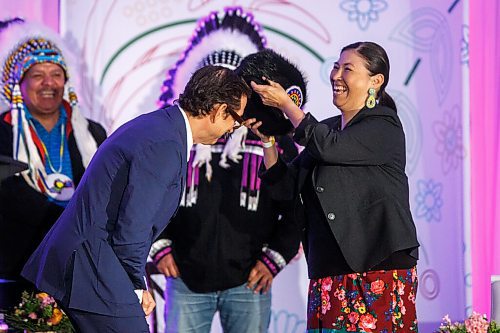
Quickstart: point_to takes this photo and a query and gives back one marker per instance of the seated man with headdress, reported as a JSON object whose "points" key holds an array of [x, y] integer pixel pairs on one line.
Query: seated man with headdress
{"points": [[41, 125], [229, 239]]}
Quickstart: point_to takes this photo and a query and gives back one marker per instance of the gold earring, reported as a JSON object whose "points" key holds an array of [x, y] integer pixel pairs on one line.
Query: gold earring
{"points": [[370, 102]]}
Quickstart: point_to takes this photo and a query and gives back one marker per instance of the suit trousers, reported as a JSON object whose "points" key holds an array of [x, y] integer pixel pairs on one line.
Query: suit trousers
{"points": [[88, 322]]}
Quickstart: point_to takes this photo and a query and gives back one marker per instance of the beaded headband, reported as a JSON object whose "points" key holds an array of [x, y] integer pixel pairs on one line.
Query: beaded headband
{"points": [[23, 57], [21, 47]]}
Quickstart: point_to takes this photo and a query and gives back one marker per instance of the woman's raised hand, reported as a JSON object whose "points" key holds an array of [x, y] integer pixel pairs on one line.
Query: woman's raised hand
{"points": [[272, 94]]}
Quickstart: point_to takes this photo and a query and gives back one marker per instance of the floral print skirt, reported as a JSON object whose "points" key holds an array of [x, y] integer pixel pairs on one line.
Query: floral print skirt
{"points": [[376, 301]]}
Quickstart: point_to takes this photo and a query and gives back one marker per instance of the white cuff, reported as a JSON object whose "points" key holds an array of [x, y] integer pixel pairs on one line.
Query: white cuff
{"points": [[158, 246], [139, 293], [275, 256]]}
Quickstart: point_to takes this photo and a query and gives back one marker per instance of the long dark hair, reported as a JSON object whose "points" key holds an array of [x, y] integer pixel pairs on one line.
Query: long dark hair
{"points": [[377, 62]]}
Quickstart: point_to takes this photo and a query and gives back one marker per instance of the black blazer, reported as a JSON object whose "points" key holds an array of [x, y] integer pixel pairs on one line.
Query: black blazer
{"points": [[25, 214], [359, 180]]}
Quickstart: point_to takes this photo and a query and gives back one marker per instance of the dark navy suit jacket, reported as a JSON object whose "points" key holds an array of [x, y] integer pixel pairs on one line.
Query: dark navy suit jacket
{"points": [[94, 256]]}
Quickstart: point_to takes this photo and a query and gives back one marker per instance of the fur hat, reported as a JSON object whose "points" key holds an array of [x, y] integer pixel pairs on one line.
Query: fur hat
{"points": [[275, 67]]}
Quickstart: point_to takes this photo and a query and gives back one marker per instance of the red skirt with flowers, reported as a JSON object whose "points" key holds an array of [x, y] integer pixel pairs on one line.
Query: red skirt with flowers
{"points": [[376, 301]]}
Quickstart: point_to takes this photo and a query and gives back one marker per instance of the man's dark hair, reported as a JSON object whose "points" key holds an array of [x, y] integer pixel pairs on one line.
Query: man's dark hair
{"points": [[211, 85]]}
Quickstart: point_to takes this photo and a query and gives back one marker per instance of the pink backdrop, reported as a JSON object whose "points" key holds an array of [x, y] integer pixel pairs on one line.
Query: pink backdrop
{"points": [[42, 11], [485, 147]]}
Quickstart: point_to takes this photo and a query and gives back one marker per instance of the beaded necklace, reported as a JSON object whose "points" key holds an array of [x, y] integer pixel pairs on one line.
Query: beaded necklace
{"points": [[45, 150]]}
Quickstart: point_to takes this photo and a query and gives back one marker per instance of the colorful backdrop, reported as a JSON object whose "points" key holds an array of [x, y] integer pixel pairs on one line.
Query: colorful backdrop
{"points": [[126, 47]]}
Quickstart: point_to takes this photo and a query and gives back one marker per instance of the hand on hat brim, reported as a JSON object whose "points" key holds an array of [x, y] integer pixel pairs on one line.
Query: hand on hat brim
{"points": [[266, 106], [254, 126], [272, 94], [248, 122]]}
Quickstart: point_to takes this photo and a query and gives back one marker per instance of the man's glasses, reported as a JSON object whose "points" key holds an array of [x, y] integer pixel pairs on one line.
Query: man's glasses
{"points": [[238, 120]]}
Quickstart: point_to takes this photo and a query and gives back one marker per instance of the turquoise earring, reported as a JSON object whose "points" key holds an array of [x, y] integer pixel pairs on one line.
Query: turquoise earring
{"points": [[370, 102]]}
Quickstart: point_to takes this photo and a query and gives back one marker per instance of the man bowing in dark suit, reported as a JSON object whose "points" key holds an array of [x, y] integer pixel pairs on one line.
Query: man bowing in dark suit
{"points": [[93, 259]]}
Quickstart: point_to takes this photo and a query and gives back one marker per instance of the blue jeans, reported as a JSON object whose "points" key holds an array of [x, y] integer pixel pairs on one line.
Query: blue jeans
{"points": [[240, 310]]}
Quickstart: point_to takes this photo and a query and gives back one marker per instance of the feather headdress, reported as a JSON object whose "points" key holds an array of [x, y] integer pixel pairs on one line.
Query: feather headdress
{"points": [[217, 40], [24, 45], [223, 39]]}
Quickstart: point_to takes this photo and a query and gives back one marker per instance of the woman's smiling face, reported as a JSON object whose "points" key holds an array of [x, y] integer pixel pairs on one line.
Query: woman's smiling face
{"points": [[350, 81]]}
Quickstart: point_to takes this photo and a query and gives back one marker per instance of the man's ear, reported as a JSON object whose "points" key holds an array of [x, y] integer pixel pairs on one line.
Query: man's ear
{"points": [[377, 80], [219, 111]]}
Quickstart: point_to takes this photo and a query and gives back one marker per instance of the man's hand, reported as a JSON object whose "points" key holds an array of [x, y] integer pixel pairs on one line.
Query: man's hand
{"points": [[167, 266], [260, 278], [148, 303], [254, 125]]}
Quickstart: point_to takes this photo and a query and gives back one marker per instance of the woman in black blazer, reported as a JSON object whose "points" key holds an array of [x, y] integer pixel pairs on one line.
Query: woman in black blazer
{"points": [[351, 198]]}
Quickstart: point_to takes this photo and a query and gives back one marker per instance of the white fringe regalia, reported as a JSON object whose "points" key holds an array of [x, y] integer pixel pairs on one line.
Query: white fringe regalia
{"points": [[218, 40]]}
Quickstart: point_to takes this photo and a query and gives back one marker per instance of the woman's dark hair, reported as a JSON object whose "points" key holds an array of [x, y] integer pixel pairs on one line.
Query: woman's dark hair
{"points": [[377, 62], [211, 85]]}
